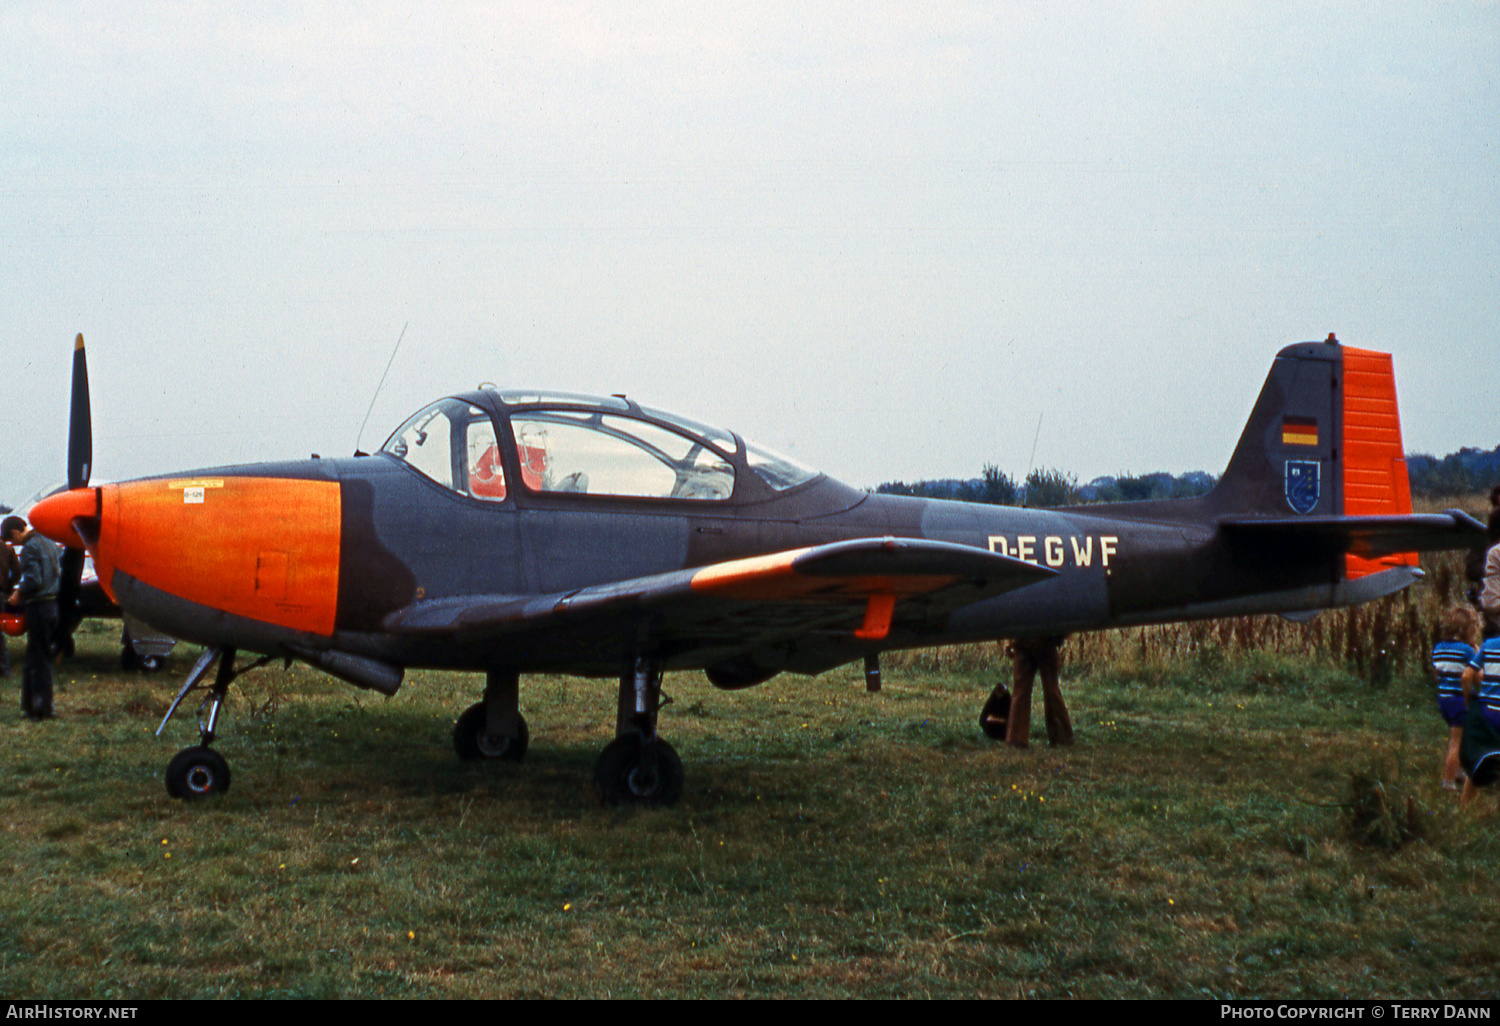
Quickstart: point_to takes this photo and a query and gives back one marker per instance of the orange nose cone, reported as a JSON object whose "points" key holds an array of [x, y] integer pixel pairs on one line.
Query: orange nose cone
{"points": [[53, 516]]}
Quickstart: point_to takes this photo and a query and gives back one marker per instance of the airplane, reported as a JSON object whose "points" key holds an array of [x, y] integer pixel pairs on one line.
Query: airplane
{"points": [[510, 532]]}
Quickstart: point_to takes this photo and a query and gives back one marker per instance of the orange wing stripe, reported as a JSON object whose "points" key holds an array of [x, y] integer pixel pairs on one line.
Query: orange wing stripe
{"points": [[773, 578], [726, 578]]}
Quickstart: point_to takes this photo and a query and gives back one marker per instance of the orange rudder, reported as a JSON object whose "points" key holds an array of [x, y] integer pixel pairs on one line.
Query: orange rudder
{"points": [[1374, 463]]}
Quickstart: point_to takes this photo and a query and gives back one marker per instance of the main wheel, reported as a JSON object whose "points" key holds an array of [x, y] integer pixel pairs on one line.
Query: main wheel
{"points": [[631, 772], [995, 714], [152, 663], [473, 744], [197, 773]]}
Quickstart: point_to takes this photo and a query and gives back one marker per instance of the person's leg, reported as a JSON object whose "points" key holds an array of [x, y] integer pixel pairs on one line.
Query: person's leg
{"points": [[36, 656], [1018, 726], [1059, 724], [41, 629], [1451, 769]]}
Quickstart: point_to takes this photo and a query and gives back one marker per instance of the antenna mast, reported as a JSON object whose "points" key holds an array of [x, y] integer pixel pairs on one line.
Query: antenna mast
{"points": [[1032, 461], [382, 385]]}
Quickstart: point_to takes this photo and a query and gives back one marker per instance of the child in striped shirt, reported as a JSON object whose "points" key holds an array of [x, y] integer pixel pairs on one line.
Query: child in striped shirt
{"points": [[1454, 653], [1480, 752]]}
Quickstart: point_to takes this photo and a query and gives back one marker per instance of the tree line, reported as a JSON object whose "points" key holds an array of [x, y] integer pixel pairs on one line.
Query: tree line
{"points": [[1049, 486], [1458, 473], [1465, 472]]}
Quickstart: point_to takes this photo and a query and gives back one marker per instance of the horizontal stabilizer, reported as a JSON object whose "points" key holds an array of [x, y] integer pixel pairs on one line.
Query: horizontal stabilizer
{"points": [[1365, 536]]}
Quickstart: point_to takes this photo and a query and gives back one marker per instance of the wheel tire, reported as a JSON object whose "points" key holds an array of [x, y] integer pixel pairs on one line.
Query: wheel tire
{"points": [[152, 663], [622, 779], [197, 773], [473, 745], [995, 714]]}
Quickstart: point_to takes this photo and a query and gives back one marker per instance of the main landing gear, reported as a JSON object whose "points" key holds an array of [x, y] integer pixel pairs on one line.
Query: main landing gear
{"points": [[199, 771], [493, 728], [637, 767]]}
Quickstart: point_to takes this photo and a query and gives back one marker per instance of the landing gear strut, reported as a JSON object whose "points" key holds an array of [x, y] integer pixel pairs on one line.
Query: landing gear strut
{"points": [[493, 728], [199, 771], [637, 767]]}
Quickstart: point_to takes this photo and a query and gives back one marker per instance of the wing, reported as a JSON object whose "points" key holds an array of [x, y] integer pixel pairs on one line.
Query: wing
{"points": [[860, 590], [1368, 536]]}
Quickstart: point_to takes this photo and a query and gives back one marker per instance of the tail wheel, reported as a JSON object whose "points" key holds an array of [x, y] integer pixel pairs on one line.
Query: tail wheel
{"points": [[197, 772], [474, 744], [632, 771]]}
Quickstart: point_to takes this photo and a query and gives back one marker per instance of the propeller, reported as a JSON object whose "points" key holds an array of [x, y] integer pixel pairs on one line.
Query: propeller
{"points": [[80, 461], [80, 426]]}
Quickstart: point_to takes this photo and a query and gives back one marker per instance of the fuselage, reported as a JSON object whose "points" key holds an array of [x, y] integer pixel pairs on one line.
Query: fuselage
{"points": [[494, 495]]}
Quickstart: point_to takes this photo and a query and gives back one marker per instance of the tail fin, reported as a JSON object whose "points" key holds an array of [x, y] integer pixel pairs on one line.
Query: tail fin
{"points": [[1324, 439]]}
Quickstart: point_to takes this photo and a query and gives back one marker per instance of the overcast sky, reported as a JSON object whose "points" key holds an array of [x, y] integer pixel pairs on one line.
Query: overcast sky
{"points": [[884, 238]]}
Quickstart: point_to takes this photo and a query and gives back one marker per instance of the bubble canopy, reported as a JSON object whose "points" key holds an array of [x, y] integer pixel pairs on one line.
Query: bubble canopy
{"points": [[569, 443]]}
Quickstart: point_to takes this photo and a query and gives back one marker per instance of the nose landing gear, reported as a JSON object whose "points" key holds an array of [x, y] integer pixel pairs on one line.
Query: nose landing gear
{"points": [[199, 771]]}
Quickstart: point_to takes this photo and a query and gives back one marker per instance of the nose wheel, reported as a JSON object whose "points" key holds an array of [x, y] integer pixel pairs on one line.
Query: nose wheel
{"points": [[197, 772]]}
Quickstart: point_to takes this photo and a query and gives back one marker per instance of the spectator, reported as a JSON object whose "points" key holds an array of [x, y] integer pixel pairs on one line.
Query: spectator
{"points": [[10, 571], [1033, 655], [1489, 592], [1480, 751], [1451, 656], [41, 574]]}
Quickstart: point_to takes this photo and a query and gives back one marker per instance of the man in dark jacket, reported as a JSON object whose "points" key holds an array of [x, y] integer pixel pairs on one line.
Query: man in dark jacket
{"points": [[10, 576], [41, 575]]}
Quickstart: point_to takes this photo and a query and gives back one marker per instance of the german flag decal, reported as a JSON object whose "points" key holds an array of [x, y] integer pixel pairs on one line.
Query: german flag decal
{"points": [[1299, 431]]}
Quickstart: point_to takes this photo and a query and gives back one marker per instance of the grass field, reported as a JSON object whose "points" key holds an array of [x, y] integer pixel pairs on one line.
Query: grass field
{"points": [[1196, 842]]}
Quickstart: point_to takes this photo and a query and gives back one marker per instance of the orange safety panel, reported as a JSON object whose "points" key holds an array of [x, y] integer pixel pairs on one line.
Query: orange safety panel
{"points": [[1374, 463], [878, 612], [265, 548]]}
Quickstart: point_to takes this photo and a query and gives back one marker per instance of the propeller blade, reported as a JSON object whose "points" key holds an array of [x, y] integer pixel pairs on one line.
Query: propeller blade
{"points": [[80, 425]]}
